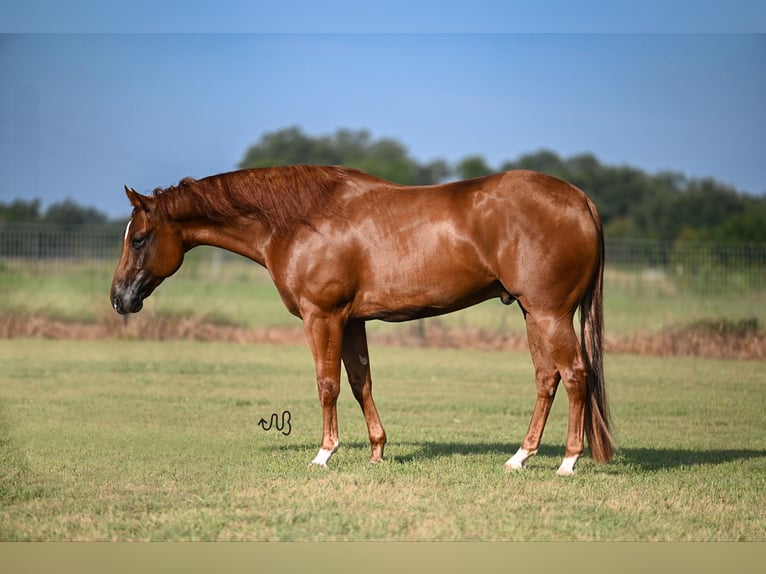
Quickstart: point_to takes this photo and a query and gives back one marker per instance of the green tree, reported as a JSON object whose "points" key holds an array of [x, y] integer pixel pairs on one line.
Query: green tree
{"points": [[544, 161], [747, 227], [69, 213], [20, 211], [435, 171], [472, 166], [385, 157]]}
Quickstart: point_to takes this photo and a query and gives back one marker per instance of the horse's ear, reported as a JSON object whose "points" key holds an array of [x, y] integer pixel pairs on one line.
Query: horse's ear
{"points": [[136, 199]]}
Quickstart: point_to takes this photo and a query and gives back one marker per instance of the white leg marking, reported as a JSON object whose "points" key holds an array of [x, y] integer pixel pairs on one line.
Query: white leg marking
{"points": [[364, 360], [567, 466], [323, 456], [519, 460]]}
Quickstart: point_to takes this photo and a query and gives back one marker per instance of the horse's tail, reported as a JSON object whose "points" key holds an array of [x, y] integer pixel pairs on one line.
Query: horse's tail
{"points": [[597, 419]]}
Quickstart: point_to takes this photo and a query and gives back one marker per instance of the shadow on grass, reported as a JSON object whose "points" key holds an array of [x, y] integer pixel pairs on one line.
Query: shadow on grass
{"points": [[655, 459], [644, 459]]}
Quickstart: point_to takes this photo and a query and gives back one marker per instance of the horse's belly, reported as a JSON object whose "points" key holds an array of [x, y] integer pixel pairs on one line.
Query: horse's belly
{"points": [[396, 305]]}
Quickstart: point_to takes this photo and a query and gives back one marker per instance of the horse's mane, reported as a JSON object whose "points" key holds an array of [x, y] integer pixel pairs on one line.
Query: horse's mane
{"points": [[280, 197]]}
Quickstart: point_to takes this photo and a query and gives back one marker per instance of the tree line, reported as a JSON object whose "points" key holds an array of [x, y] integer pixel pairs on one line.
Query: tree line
{"points": [[632, 203], [63, 214]]}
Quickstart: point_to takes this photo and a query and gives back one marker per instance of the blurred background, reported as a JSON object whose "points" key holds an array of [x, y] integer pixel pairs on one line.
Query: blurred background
{"points": [[664, 131]]}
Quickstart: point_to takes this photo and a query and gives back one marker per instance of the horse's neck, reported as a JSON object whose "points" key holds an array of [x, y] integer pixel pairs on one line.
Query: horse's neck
{"points": [[248, 237]]}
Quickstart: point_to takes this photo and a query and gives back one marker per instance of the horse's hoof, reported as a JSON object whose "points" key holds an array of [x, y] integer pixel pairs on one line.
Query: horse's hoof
{"points": [[323, 456], [519, 460], [567, 466]]}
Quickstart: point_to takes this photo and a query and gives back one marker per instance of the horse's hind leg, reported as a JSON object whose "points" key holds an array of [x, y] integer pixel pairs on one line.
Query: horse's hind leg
{"points": [[560, 341], [356, 359], [547, 380], [568, 357]]}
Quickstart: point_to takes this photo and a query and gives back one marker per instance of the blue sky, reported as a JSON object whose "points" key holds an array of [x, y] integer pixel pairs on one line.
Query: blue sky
{"points": [[81, 114]]}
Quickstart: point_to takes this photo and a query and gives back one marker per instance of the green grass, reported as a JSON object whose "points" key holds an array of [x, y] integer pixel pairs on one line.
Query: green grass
{"points": [[130, 440], [237, 292]]}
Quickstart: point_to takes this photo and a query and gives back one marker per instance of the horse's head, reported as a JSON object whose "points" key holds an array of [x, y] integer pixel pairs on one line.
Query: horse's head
{"points": [[151, 251]]}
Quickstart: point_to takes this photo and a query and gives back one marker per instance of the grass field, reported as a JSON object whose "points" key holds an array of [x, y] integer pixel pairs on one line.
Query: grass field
{"points": [[238, 292], [131, 440]]}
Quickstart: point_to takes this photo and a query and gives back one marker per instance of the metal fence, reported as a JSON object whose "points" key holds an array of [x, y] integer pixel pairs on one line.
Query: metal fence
{"points": [[59, 243], [643, 266], [694, 267]]}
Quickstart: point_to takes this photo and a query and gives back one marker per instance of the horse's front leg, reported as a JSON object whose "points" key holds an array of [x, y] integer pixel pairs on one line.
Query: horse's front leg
{"points": [[325, 337], [356, 358]]}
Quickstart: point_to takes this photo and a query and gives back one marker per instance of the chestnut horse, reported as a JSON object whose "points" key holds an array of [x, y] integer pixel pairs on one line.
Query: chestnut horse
{"points": [[344, 247]]}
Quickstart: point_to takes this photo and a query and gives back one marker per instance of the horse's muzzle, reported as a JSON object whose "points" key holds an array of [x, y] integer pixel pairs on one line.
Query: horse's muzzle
{"points": [[129, 298], [125, 306]]}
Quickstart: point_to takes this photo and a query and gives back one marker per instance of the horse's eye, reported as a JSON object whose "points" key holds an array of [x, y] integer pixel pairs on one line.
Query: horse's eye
{"points": [[138, 241]]}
